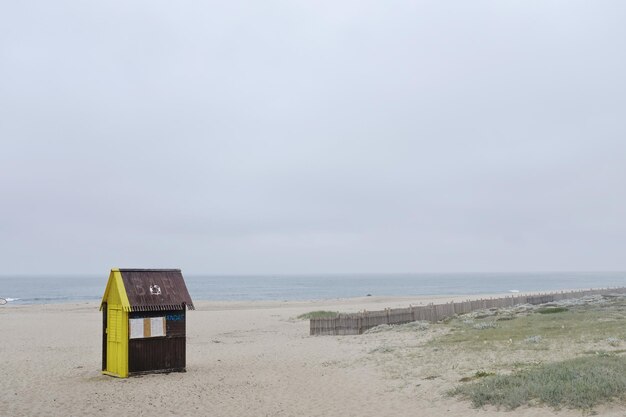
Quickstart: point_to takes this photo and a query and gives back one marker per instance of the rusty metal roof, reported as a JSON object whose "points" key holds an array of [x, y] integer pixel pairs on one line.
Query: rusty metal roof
{"points": [[156, 289]]}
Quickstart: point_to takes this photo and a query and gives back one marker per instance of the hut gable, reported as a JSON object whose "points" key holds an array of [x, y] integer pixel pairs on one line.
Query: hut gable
{"points": [[115, 293], [155, 289]]}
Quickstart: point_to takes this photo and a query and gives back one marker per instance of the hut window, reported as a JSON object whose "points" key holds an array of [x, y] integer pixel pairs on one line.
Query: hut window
{"points": [[147, 327]]}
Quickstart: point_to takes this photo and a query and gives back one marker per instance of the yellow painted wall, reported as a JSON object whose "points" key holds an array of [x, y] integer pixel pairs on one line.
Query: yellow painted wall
{"points": [[117, 326]]}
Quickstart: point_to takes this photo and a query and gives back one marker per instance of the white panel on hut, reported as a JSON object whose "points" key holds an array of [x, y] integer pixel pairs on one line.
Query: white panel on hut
{"points": [[147, 327]]}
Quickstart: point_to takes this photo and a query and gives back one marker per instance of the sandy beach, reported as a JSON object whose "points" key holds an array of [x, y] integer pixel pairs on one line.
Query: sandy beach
{"points": [[243, 359]]}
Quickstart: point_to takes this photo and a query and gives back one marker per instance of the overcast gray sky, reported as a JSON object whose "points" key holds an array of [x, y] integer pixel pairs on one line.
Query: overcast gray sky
{"points": [[308, 137]]}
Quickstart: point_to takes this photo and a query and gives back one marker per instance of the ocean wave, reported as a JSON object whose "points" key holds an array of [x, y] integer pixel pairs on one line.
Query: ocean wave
{"points": [[45, 298], [57, 299]]}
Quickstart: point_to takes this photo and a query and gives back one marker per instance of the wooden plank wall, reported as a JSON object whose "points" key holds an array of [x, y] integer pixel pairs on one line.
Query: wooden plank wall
{"points": [[357, 323]]}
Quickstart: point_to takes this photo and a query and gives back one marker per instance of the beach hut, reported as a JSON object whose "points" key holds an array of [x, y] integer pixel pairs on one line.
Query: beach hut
{"points": [[144, 321]]}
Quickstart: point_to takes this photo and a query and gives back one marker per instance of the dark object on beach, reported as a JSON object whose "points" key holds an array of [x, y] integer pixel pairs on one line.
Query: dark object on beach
{"points": [[551, 310], [368, 295], [144, 322]]}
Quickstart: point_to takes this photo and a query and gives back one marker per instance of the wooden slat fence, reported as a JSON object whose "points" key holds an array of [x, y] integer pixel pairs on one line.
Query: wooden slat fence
{"points": [[357, 323]]}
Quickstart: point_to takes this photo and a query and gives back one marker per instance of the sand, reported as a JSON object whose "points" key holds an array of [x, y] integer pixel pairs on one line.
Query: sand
{"points": [[243, 359]]}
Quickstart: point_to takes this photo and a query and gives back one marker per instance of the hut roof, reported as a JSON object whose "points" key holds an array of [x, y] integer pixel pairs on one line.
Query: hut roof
{"points": [[150, 289]]}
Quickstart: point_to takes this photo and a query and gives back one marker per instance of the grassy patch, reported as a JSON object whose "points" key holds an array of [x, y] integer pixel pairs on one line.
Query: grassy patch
{"points": [[604, 352], [318, 314], [477, 375], [551, 310], [581, 383], [575, 324], [505, 318]]}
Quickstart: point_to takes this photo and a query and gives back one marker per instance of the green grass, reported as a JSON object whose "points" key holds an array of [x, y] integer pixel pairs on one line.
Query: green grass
{"points": [[586, 323], [581, 383], [318, 314], [477, 375]]}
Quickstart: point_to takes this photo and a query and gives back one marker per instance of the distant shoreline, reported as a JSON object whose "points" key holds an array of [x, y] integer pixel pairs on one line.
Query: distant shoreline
{"points": [[54, 289], [399, 301]]}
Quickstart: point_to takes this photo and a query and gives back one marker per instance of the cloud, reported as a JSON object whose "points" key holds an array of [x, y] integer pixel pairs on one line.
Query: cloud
{"points": [[312, 137]]}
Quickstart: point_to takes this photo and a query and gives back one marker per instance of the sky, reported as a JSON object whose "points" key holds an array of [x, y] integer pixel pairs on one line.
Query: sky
{"points": [[281, 137]]}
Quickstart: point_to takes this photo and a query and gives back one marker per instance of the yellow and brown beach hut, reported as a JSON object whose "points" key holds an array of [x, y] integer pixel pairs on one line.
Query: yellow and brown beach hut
{"points": [[144, 322]]}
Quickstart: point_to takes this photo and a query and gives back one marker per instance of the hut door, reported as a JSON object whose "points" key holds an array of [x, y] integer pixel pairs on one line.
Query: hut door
{"points": [[114, 340]]}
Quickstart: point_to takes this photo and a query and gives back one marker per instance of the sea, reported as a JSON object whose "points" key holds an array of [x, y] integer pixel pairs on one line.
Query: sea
{"points": [[22, 289]]}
